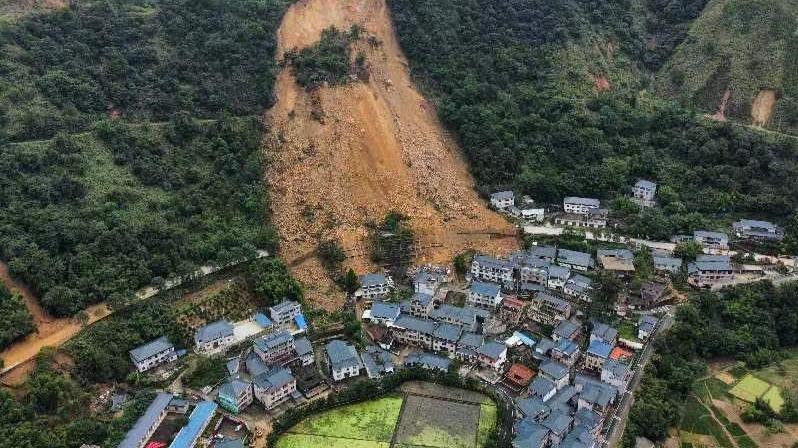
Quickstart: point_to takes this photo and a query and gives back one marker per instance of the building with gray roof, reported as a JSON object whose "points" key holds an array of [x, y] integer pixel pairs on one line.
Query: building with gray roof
{"points": [[304, 351], [275, 347], [343, 359], [603, 332], [559, 423], [146, 425], [532, 407], [530, 434], [153, 354], [377, 362], [485, 295], [273, 387], [464, 317], [579, 261], [384, 312], [374, 286], [757, 230], [566, 329], [543, 388], [556, 372], [492, 354], [214, 337], [427, 361]]}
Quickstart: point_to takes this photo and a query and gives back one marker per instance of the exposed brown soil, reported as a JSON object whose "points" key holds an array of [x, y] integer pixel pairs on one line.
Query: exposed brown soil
{"points": [[720, 115], [756, 432], [763, 106], [15, 9], [602, 83], [380, 148], [51, 331]]}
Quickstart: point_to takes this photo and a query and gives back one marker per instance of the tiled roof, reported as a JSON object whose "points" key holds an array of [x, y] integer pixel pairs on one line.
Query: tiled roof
{"points": [[135, 437], [600, 349], [342, 355], [151, 348], [213, 331], [485, 289]]}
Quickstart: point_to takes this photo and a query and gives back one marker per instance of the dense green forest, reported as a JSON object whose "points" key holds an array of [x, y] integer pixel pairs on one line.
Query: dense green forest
{"points": [[130, 143], [495, 69], [751, 323], [15, 320]]}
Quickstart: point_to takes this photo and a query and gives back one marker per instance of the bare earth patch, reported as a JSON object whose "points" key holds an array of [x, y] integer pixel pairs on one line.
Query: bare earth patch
{"points": [[756, 432], [380, 148], [762, 107]]}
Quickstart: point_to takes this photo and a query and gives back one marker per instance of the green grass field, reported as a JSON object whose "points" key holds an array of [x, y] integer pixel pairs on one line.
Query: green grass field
{"points": [[367, 421], [749, 388], [783, 373], [697, 420], [311, 441], [487, 421], [774, 399]]}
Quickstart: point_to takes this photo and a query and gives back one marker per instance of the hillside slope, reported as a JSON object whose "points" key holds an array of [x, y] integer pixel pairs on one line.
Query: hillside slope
{"points": [[380, 148], [740, 60]]}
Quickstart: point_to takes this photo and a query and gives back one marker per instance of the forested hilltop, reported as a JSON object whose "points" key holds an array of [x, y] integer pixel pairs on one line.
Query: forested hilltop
{"points": [[553, 99], [130, 137]]}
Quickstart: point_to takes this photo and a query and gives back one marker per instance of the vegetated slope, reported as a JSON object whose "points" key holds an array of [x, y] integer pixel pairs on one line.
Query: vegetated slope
{"points": [[488, 65], [379, 148], [97, 198], [748, 48]]}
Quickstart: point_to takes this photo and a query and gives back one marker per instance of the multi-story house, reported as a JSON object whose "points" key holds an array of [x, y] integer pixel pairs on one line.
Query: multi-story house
{"points": [[579, 287], [467, 347], [665, 263], [710, 270], [426, 282], [464, 317], [559, 423], [491, 269], [529, 433], [512, 309], [543, 388], [384, 313], [548, 309], [616, 260], [153, 354], [558, 276], [445, 337], [644, 192], [558, 373], [578, 261], [565, 352], [617, 374], [273, 387], [214, 337], [492, 355], [579, 206], [428, 361], [343, 360], [502, 199], [377, 362], [757, 230], [646, 326], [374, 286], [712, 240], [596, 397], [304, 351], [146, 425], [421, 304], [413, 331], [566, 329], [598, 352], [284, 312], [277, 347], [235, 395], [484, 295]]}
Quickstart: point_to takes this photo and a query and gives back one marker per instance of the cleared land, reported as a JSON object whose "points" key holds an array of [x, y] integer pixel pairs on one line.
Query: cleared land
{"points": [[437, 423], [367, 421], [749, 388], [311, 441]]}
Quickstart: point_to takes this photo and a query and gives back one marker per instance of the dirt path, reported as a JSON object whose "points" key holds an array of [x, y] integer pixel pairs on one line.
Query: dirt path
{"points": [[763, 106], [380, 148], [51, 331]]}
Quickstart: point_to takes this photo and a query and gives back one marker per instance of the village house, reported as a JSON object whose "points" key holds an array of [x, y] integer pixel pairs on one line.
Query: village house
{"points": [[651, 294], [153, 354], [492, 355], [146, 425], [214, 337], [565, 352], [377, 362], [665, 263], [544, 346], [491, 269], [304, 351], [598, 352], [594, 218], [383, 313], [445, 337], [617, 374], [502, 199], [414, 331], [579, 287], [428, 361], [200, 418], [566, 330], [421, 304], [467, 348], [644, 191], [543, 388], [484, 295], [556, 372], [711, 240], [603, 332], [273, 387], [464, 317], [374, 286], [709, 270], [530, 434], [426, 282], [578, 261], [533, 214], [518, 377], [557, 277], [343, 360], [235, 395], [548, 309], [757, 230], [277, 347], [532, 408], [284, 312], [580, 206], [512, 310], [559, 424], [646, 326], [533, 270], [596, 397], [616, 260]]}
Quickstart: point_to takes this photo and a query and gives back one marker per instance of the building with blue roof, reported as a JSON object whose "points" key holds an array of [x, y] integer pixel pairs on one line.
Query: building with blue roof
{"points": [[146, 425], [263, 321], [199, 419], [300, 322], [484, 295], [598, 352], [153, 354], [214, 337]]}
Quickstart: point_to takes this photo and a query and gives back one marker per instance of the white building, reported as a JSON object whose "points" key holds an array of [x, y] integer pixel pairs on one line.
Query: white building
{"points": [[616, 374], [343, 360], [492, 355], [284, 312], [502, 199], [214, 337], [374, 286], [644, 192], [153, 354], [273, 387], [491, 269], [484, 295], [533, 214], [579, 206]]}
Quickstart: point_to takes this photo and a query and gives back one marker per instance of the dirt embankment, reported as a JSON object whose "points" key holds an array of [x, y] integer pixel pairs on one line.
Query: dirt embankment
{"points": [[50, 331], [380, 148], [763, 106]]}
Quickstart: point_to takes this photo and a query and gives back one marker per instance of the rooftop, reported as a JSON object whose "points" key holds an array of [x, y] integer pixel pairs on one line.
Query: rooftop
{"points": [[604, 332], [151, 348], [283, 306], [589, 202], [197, 421], [566, 329], [213, 331], [373, 279], [272, 340], [575, 258], [135, 437], [428, 360], [600, 349], [448, 332], [485, 289], [273, 379], [342, 354], [642, 183], [542, 386], [558, 422], [502, 195], [385, 310], [492, 349], [425, 326], [554, 369]]}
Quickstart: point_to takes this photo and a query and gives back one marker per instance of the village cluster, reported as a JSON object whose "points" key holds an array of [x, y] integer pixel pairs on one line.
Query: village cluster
{"points": [[516, 323]]}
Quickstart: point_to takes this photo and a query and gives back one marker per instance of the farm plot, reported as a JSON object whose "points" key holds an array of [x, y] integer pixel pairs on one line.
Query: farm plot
{"points": [[432, 422], [749, 388]]}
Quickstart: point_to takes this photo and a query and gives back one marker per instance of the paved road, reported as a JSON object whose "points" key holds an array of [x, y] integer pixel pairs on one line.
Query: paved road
{"points": [[622, 412]]}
